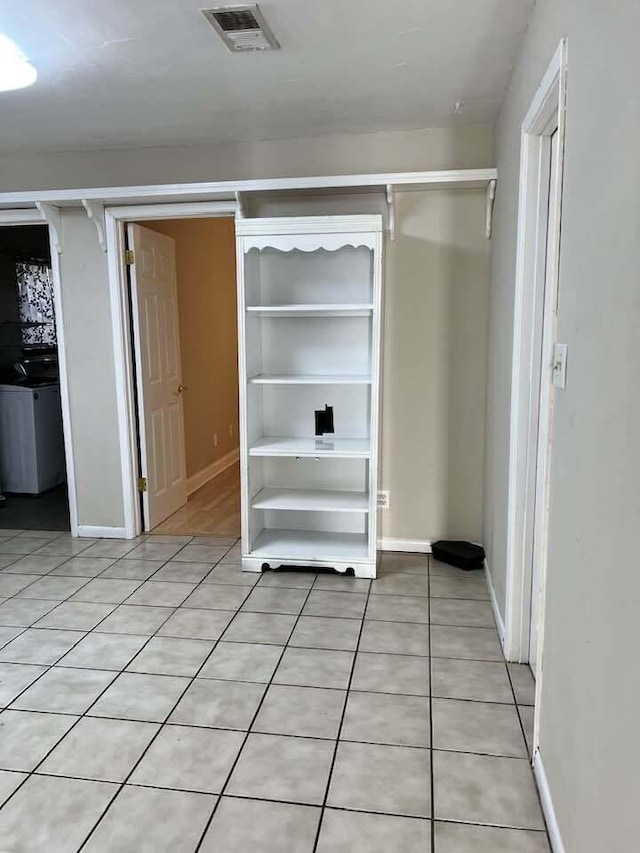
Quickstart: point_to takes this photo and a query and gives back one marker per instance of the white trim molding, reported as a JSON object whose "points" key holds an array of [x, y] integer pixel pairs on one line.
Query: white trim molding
{"points": [[414, 546], [125, 399], [174, 210], [226, 190], [494, 604], [546, 114], [19, 217], [553, 827], [94, 532], [115, 220], [205, 475]]}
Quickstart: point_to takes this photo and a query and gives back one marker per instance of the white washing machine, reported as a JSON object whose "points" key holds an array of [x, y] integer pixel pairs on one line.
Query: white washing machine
{"points": [[31, 439]]}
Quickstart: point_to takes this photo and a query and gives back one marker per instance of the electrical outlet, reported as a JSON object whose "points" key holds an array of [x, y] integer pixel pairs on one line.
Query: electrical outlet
{"points": [[383, 500], [215, 439], [230, 430]]}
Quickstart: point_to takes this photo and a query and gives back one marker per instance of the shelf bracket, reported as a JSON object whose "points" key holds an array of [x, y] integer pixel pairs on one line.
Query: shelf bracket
{"points": [[241, 213], [51, 215], [95, 212], [391, 210], [491, 195]]}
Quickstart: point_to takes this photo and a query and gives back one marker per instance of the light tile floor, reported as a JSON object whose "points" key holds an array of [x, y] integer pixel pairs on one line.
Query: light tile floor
{"points": [[155, 698]]}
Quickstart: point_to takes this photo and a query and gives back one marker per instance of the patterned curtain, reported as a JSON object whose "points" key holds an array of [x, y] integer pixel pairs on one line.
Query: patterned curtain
{"points": [[35, 302]]}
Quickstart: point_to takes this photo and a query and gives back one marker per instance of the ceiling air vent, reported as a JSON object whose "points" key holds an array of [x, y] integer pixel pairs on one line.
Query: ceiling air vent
{"points": [[242, 28]]}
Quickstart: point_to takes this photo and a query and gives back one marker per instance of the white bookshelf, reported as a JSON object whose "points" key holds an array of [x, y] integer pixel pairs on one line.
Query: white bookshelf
{"points": [[354, 310], [311, 500], [301, 447], [309, 315], [310, 379]]}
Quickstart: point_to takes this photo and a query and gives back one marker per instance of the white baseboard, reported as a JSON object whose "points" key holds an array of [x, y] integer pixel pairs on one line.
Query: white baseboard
{"points": [[94, 532], [494, 604], [202, 477], [548, 810], [418, 546]]}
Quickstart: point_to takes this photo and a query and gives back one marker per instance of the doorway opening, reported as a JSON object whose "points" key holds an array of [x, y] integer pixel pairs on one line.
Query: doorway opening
{"points": [[182, 302], [33, 487], [533, 370]]}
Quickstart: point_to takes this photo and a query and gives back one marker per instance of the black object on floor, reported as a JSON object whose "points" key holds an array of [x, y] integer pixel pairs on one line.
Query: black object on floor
{"points": [[462, 555]]}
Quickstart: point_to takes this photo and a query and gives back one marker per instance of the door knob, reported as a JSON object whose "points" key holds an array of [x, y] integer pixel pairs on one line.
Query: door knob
{"points": [[182, 388]]}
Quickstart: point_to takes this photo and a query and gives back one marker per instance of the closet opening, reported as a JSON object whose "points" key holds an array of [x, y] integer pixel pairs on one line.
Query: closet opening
{"points": [[33, 485], [182, 306]]}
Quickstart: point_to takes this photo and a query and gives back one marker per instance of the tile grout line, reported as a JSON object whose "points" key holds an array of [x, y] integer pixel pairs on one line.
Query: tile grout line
{"points": [[82, 631], [80, 717], [250, 589], [517, 707], [254, 717], [529, 758], [84, 714], [342, 716], [243, 680], [162, 723], [431, 744], [293, 803], [265, 734]]}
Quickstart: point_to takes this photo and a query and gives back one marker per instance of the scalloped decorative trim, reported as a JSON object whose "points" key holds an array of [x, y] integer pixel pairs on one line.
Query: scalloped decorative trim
{"points": [[309, 242]]}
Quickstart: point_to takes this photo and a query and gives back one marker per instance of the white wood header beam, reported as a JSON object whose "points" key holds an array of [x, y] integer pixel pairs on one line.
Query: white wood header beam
{"points": [[226, 190], [26, 216]]}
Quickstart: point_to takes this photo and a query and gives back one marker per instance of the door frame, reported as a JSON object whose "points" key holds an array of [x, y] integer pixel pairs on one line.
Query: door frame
{"points": [[546, 114], [15, 218], [116, 219]]}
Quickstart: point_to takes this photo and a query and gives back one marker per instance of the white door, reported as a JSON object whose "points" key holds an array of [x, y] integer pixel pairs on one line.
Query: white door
{"points": [[545, 407], [154, 305]]}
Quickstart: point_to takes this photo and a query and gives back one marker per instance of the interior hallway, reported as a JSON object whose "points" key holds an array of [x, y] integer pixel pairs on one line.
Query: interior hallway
{"points": [[214, 510], [278, 712]]}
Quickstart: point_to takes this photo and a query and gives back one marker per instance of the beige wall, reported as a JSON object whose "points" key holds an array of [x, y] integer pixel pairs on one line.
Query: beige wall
{"points": [[411, 150], [435, 331], [91, 372], [206, 268], [590, 689]]}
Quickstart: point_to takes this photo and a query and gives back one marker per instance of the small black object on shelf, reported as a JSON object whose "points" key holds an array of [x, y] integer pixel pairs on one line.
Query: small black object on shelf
{"points": [[324, 420], [462, 555]]}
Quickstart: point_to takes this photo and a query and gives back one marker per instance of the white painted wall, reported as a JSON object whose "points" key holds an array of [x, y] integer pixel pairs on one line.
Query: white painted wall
{"points": [[591, 692]]}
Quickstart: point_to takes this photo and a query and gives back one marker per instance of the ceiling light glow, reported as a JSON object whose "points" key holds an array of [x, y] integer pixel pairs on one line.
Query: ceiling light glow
{"points": [[16, 72]]}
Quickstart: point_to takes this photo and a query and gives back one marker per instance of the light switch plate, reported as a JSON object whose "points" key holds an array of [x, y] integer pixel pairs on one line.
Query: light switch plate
{"points": [[559, 376]]}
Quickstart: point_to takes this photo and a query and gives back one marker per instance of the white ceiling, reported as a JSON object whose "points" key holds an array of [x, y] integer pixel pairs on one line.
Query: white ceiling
{"points": [[153, 72]]}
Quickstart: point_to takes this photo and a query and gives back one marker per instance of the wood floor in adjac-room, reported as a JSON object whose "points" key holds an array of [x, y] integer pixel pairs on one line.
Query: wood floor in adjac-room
{"points": [[214, 510]]}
